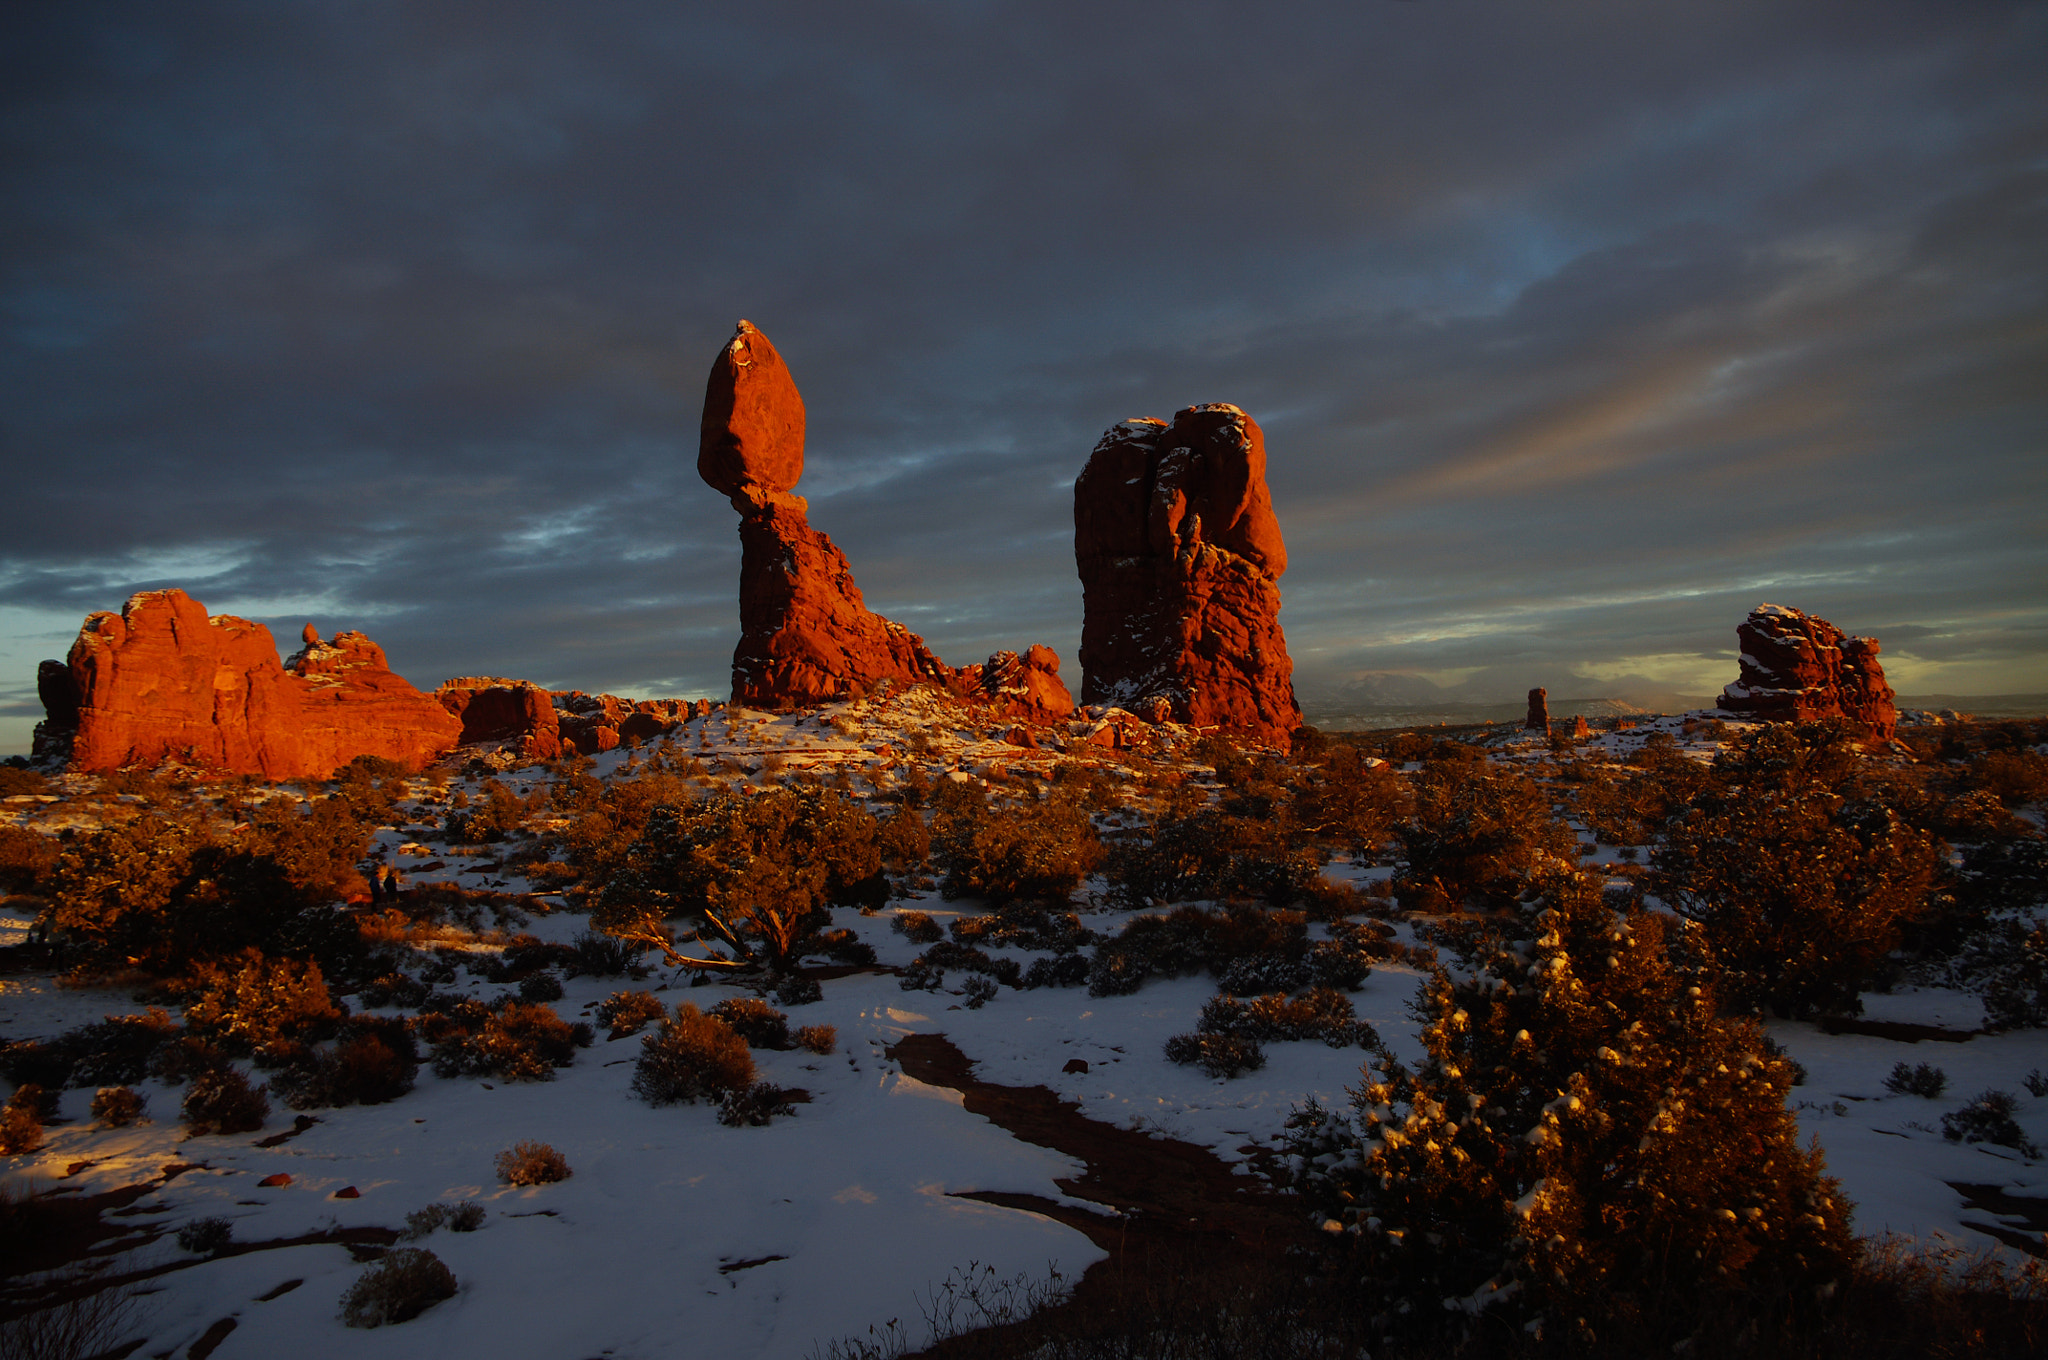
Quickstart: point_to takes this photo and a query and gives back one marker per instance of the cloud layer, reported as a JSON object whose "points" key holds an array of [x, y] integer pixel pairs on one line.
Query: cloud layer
{"points": [[1575, 329]]}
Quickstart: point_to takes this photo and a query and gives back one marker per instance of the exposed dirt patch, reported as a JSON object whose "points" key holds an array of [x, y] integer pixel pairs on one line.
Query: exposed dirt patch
{"points": [[1174, 1207]]}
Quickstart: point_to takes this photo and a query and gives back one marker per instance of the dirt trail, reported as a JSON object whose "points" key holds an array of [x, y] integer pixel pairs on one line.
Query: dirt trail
{"points": [[1172, 1201]]}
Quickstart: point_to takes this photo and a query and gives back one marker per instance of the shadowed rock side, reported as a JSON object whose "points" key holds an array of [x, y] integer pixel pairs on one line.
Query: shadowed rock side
{"points": [[1539, 710], [1796, 667], [162, 681], [805, 634], [1180, 559], [541, 724]]}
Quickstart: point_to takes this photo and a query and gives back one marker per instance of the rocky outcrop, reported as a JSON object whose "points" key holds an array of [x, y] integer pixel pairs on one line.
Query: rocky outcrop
{"points": [[494, 710], [162, 681], [1180, 558], [1026, 687], [1539, 710], [1796, 667], [806, 636]]}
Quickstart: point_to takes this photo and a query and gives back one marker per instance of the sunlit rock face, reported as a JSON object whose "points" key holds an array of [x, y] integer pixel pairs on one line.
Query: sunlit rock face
{"points": [[162, 681], [1026, 687], [515, 713], [1796, 667], [1180, 559], [805, 635]]}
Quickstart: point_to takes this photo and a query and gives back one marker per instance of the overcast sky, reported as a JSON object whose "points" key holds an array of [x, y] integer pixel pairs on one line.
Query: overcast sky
{"points": [[1576, 329]]}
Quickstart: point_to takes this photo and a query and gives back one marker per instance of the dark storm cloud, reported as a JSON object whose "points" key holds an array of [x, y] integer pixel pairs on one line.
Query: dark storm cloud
{"points": [[1575, 329]]}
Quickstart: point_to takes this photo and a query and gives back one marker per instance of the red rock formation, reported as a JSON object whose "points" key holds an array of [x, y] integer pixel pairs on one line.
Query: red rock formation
{"points": [[806, 636], [162, 681], [497, 710], [1797, 667], [1027, 686], [1539, 710], [1180, 558]]}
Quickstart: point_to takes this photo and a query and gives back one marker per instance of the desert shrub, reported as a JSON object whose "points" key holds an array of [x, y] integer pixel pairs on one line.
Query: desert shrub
{"points": [[919, 976], [1036, 851], [398, 1288], [1322, 1013], [117, 1106], [531, 1163], [1349, 804], [754, 1105], [625, 1013], [946, 954], [2014, 778], [754, 1020], [21, 1121], [373, 1061], [540, 987], [253, 1004], [1061, 970], [1196, 853], [1587, 1138], [490, 816], [467, 1216], [917, 927], [206, 1236], [393, 989], [905, 841], [115, 1050], [1801, 891], [1190, 940], [515, 1041], [2036, 1082], [978, 992], [1256, 974], [1023, 925], [222, 1101], [692, 1057], [1988, 1118], [1478, 837], [1922, 1079], [1220, 1055], [841, 946], [26, 858], [798, 990], [184, 1057], [820, 1039], [604, 955], [755, 874]]}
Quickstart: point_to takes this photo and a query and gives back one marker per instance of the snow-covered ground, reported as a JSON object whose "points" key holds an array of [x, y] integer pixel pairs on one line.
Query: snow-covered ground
{"points": [[677, 1236]]}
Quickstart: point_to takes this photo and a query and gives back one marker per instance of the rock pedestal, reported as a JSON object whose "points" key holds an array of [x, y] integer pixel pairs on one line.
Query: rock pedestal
{"points": [[1539, 710], [1180, 559], [162, 681], [1797, 667], [806, 636]]}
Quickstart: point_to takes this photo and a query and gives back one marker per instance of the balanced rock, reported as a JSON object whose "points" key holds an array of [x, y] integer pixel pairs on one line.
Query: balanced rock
{"points": [[1539, 710], [162, 681], [1797, 667], [1180, 558], [806, 636]]}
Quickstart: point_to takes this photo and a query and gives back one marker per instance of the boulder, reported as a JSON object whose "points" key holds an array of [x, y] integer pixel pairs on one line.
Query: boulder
{"points": [[1539, 710], [162, 681], [751, 446], [1797, 667], [1180, 558]]}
